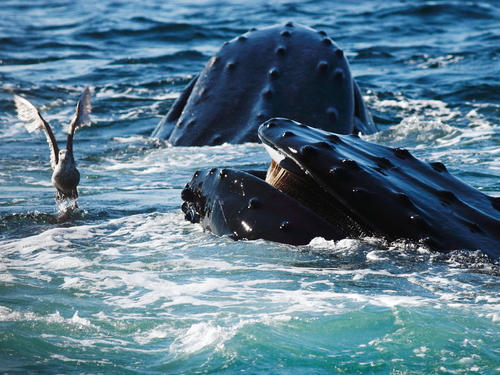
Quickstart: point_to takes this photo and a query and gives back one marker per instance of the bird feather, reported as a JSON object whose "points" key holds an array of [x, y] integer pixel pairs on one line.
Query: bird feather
{"points": [[82, 113], [33, 120]]}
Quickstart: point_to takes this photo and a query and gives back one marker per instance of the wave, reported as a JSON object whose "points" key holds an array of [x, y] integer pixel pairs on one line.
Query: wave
{"points": [[180, 56], [160, 32], [442, 12]]}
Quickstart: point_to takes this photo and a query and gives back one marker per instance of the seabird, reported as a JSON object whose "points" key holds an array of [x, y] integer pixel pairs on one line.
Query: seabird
{"points": [[65, 177]]}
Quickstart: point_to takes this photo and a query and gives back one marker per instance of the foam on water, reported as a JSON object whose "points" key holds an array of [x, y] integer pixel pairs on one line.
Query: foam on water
{"points": [[201, 303], [154, 285]]}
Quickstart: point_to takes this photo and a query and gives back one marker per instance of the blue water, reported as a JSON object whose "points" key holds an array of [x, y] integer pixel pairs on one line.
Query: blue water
{"points": [[126, 286]]}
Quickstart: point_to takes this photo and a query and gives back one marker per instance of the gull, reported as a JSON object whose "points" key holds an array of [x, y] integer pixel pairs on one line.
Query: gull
{"points": [[65, 177]]}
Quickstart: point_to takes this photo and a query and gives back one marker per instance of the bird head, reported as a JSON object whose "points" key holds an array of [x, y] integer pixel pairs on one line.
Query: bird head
{"points": [[63, 155]]}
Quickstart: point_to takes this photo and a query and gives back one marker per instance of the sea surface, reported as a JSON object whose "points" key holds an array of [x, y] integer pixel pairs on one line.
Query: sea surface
{"points": [[127, 286]]}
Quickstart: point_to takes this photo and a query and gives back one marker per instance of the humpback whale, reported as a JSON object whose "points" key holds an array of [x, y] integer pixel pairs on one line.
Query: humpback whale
{"points": [[285, 70], [325, 181], [322, 184]]}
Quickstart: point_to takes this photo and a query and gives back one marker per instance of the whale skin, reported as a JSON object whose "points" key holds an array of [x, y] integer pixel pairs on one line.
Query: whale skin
{"points": [[287, 70], [366, 189]]}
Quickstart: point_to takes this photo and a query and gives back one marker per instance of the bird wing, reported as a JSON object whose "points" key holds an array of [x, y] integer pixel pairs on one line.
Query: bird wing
{"points": [[82, 116], [33, 120]]}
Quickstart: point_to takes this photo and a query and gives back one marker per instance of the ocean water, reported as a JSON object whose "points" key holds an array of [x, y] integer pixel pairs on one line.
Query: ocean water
{"points": [[126, 286]]}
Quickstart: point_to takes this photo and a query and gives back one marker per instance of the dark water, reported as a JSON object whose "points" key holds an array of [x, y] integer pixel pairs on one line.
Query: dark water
{"points": [[127, 286]]}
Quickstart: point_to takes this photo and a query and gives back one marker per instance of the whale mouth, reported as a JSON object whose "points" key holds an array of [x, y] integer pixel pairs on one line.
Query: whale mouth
{"points": [[321, 184], [292, 179]]}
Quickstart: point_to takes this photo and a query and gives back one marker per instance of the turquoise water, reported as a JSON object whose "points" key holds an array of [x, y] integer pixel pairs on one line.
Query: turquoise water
{"points": [[127, 286]]}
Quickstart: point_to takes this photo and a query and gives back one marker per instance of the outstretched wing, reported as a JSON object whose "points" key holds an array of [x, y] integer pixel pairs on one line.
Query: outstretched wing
{"points": [[29, 115], [82, 116]]}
